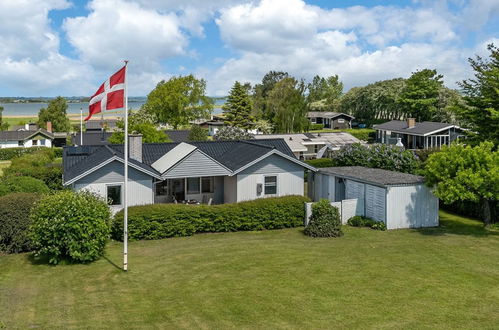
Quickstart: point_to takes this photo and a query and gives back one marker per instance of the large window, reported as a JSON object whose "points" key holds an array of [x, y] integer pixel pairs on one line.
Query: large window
{"points": [[193, 186], [114, 195], [34, 142], [270, 185], [20, 143], [207, 184]]}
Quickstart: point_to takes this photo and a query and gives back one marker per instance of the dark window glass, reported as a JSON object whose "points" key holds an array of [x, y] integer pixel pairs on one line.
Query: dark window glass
{"points": [[207, 185], [114, 195], [270, 185], [193, 186]]}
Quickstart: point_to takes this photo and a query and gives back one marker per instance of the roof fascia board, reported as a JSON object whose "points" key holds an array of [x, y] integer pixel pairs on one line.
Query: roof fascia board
{"points": [[93, 169]]}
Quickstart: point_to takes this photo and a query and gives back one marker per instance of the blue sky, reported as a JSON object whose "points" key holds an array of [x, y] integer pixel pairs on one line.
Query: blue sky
{"points": [[68, 47]]}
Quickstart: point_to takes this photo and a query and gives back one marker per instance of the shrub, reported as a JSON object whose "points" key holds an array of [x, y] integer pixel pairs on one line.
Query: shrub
{"points": [[197, 133], [10, 153], [14, 222], [168, 220], [316, 127], [361, 221], [325, 220], [71, 226], [320, 162], [24, 184], [232, 133], [382, 156]]}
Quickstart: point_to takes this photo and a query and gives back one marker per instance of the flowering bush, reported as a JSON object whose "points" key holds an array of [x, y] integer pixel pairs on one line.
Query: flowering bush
{"points": [[382, 156], [232, 133]]}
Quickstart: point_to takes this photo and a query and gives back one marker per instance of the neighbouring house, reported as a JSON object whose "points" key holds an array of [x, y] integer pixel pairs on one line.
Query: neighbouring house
{"points": [[313, 145], [215, 171], [29, 136], [399, 200], [25, 127], [212, 125], [334, 120], [417, 135], [98, 125], [90, 138]]}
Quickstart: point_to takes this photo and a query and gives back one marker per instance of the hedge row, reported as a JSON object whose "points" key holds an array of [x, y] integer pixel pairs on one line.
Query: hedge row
{"points": [[9, 153], [320, 162], [169, 220]]}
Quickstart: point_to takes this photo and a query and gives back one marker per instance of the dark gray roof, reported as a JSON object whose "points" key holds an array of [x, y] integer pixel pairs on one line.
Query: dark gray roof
{"points": [[98, 124], [421, 128], [231, 154], [91, 138], [179, 135], [374, 175], [23, 135]]}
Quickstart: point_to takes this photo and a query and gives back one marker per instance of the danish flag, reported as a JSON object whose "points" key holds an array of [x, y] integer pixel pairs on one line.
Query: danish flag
{"points": [[110, 95]]}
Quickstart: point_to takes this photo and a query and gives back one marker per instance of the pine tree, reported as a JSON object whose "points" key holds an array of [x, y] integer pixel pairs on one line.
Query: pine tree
{"points": [[237, 109]]}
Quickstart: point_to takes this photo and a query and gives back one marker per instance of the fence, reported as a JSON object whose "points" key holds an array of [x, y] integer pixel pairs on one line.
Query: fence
{"points": [[347, 208]]}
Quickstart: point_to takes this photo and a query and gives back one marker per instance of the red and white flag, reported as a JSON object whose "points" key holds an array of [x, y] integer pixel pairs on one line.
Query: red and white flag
{"points": [[110, 95]]}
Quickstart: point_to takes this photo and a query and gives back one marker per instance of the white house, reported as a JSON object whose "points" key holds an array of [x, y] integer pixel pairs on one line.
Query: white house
{"points": [[399, 200], [26, 139]]}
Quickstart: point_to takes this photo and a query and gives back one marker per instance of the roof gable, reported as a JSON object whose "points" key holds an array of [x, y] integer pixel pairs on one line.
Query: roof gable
{"points": [[172, 157], [196, 164]]}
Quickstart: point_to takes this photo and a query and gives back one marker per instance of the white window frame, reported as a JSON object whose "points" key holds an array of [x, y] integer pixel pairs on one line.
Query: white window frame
{"points": [[121, 193], [341, 121], [276, 185]]}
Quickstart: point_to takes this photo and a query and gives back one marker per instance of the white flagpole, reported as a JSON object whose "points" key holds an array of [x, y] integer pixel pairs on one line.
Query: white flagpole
{"points": [[125, 186], [81, 126]]}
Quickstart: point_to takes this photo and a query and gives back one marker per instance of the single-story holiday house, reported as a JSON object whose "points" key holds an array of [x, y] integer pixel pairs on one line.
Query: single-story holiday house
{"points": [[26, 138], [211, 171], [334, 120], [400, 200], [417, 135], [313, 145]]}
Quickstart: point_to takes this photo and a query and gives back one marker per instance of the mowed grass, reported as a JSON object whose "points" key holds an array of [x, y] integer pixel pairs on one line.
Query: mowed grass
{"points": [[3, 165], [446, 277]]}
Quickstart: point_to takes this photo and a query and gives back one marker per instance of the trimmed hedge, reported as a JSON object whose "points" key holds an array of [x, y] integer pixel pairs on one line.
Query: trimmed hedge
{"points": [[9, 153], [315, 127], [15, 221], [320, 162], [325, 220], [361, 221], [170, 220], [25, 184]]}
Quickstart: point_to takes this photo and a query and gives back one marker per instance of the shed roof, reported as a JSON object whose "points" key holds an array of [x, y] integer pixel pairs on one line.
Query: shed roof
{"points": [[421, 128], [373, 175], [326, 114]]}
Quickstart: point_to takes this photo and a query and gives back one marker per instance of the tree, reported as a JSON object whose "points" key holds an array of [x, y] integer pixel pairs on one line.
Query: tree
{"points": [[237, 108], [232, 133], [56, 113], [197, 133], [327, 89], [325, 220], [3, 126], [466, 173], [263, 126], [139, 124], [482, 97], [261, 92], [420, 97], [179, 100], [286, 102]]}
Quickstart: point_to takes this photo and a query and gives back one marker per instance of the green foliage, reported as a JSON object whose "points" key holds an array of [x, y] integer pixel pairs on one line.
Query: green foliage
{"points": [[3, 125], [465, 173], [261, 92], [232, 133], [72, 226], [263, 126], [328, 89], [168, 220], [382, 156], [198, 133], [15, 221], [149, 134], [482, 97], [179, 100], [361, 221], [286, 102], [10, 153], [315, 127], [320, 162], [22, 184], [237, 109], [424, 154], [41, 165], [325, 220], [420, 97], [56, 113]]}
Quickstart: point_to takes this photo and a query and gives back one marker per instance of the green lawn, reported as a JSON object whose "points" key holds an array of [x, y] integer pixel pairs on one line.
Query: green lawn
{"points": [[445, 277], [3, 165]]}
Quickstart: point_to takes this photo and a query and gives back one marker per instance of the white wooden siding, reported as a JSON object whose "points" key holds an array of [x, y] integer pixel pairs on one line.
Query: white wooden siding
{"points": [[288, 183], [273, 164], [411, 207], [196, 164], [375, 205], [354, 189], [230, 189]]}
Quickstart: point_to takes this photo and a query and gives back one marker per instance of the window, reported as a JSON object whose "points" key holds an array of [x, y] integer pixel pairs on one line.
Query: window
{"points": [[162, 188], [341, 121], [193, 185], [42, 142], [207, 184], [34, 142], [114, 195], [270, 185], [20, 143]]}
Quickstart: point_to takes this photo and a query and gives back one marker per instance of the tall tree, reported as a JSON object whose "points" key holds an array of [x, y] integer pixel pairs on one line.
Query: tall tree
{"points": [[465, 173], [261, 92], [197, 133], [3, 125], [56, 113], [237, 108], [139, 123], [179, 100], [482, 97], [286, 102], [328, 89], [420, 97]]}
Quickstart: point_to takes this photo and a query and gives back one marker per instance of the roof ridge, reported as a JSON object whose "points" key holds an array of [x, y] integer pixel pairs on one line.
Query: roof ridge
{"points": [[256, 144]]}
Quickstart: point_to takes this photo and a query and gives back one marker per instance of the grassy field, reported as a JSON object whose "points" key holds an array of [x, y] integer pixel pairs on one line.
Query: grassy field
{"points": [[3, 165], [446, 277]]}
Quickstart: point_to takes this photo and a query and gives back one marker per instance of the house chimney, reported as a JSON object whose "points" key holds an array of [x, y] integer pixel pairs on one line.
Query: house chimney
{"points": [[411, 122], [135, 146], [49, 126]]}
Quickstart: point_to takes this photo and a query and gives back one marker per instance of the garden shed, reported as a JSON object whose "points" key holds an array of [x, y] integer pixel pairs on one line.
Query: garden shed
{"points": [[400, 200]]}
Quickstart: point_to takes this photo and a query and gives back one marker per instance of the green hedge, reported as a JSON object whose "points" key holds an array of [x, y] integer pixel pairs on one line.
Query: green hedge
{"points": [[9, 153], [315, 127], [169, 220], [22, 184], [320, 162]]}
